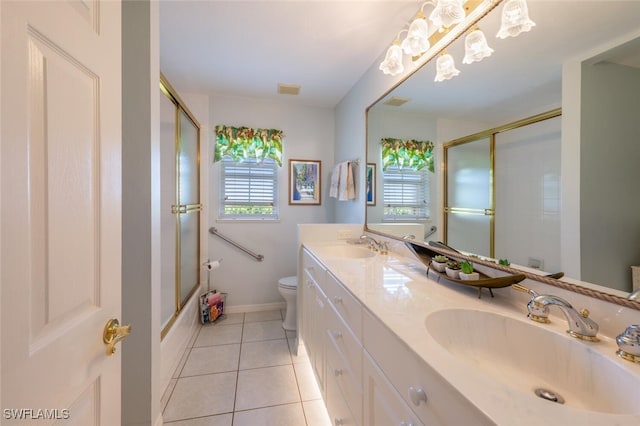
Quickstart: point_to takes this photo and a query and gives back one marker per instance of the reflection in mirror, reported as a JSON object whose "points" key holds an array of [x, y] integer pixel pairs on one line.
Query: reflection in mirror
{"points": [[468, 198], [498, 180], [559, 63]]}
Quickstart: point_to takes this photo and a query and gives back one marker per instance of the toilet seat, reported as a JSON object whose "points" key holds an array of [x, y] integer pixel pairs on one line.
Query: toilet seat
{"points": [[289, 282]]}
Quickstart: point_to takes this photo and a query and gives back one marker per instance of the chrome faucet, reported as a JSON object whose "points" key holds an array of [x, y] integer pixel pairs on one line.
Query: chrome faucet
{"points": [[580, 325], [380, 246]]}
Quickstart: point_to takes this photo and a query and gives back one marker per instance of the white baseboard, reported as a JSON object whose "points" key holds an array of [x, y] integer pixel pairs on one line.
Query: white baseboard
{"points": [[254, 308]]}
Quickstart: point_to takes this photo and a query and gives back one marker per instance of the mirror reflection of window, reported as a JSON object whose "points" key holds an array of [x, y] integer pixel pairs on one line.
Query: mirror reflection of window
{"points": [[406, 194]]}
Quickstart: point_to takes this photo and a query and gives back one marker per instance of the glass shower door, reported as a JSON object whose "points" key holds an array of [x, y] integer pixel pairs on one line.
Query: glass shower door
{"points": [[180, 205], [469, 197], [189, 206]]}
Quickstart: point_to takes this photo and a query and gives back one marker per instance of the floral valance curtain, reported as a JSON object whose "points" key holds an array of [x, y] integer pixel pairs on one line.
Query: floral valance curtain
{"points": [[241, 143], [407, 153]]}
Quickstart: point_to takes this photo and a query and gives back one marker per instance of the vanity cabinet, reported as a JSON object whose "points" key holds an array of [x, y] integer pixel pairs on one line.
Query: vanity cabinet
{"points": [[344, 354], [367, 375], [430, 397], [314, 307]]}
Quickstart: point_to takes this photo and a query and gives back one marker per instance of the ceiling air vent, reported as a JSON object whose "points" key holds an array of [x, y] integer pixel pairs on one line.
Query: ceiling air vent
{"points": [[288, 89], [396, 101]]}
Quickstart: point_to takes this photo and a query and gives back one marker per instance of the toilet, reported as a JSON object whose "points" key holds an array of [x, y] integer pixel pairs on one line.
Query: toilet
{"points": [[288, 288]]}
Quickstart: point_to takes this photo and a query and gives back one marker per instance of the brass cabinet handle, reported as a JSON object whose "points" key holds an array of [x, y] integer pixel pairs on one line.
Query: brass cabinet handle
{"points": [[113, 333]]}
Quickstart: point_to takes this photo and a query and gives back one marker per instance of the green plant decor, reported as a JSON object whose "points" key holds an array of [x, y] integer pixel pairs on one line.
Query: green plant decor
{"points": [[504, 262], [453, 264], [467, 267], [440, 258]]}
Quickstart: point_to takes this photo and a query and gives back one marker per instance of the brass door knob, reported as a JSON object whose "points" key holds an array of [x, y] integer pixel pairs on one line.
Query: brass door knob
{"points": [[113, 333]]}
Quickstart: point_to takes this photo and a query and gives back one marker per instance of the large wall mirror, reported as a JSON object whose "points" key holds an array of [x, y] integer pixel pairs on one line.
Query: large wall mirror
{"points": [[582, 57]]}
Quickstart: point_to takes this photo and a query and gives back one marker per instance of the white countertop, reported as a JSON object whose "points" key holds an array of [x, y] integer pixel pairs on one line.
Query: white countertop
{"points": [[397, 291]]}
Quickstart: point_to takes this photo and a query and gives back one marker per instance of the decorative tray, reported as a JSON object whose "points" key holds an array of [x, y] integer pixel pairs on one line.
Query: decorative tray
{"points": [[426, 255]]}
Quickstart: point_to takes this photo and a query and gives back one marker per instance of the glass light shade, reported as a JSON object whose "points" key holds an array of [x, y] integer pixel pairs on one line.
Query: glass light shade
{"points": [[417, 40], [476, 47], [392, 64], [445, 68], [515, 19], [447, 13]]}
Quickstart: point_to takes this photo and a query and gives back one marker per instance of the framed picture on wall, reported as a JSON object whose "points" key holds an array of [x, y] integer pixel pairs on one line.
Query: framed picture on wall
{"points": [[371, 184], [304, 182]]}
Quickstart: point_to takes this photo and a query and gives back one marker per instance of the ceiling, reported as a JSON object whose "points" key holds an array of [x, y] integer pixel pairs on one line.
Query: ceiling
{"points": [[246, 48]]}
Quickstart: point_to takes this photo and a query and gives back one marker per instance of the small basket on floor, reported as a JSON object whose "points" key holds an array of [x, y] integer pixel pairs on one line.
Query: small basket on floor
{"points": [[211, 306]]}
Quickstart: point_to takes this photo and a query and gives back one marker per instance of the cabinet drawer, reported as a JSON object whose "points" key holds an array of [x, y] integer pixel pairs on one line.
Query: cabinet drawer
{"points": [[312, 267], [344, 341], [339, 411], [345, 304], [383, 406], [348, 380], [409, 374]]}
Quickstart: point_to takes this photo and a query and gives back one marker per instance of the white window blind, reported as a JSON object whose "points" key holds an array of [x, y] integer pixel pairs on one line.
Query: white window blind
{"points": [[249, 190], [406, 194]]}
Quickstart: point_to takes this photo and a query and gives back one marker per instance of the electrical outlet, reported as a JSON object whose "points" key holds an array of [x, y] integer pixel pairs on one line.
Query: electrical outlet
{"points": [[535, 263], [345, 234]]}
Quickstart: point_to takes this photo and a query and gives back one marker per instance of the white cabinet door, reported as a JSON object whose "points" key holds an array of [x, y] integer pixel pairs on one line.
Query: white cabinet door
{"points": [[61, 210], [314, 305], [383, 405], [317, 353]]}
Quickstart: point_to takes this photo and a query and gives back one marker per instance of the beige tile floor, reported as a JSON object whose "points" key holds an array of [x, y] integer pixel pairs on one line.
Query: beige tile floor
{"points": [[241, 371]]}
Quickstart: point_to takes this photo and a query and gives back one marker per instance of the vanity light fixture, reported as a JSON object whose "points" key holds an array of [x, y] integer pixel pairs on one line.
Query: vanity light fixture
{"points": [[450, 19], [515, 19]]}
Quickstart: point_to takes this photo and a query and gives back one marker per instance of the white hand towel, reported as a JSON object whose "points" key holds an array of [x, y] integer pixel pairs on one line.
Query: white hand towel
{"points": [[335, 181], [351, 187], [346, 187]]}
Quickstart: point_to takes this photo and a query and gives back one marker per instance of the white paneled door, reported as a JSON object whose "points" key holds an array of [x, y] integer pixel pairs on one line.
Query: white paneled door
{"points": [[61, 210]]}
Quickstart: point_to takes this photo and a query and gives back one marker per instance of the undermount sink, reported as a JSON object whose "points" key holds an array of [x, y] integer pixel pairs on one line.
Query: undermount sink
{"points": [[527, 357], [345, 251]]}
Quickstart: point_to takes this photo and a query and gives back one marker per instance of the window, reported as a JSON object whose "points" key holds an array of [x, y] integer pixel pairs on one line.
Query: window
{"points": [[406, 194], [249, 189]]}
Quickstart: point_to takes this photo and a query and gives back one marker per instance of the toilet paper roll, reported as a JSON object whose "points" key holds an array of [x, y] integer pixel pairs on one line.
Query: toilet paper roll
{"points": [[212, 265]]}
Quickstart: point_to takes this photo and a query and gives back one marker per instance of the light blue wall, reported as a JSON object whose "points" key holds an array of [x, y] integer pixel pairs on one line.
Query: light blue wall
{"points": [[351, 133], [308, 135]]}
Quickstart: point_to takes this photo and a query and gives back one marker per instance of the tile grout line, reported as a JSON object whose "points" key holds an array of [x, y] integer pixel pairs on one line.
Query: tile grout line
{"points": [[235, 391], [298, 375]]}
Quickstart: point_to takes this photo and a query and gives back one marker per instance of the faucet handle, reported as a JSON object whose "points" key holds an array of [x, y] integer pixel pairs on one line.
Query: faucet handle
{"points": [[384, 247], [629, 344], [524, 289], [536, 312]]}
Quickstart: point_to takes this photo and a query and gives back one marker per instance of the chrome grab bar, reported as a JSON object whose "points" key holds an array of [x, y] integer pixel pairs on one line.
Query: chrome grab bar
{"points": [[432, 231], [258, 257]]}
